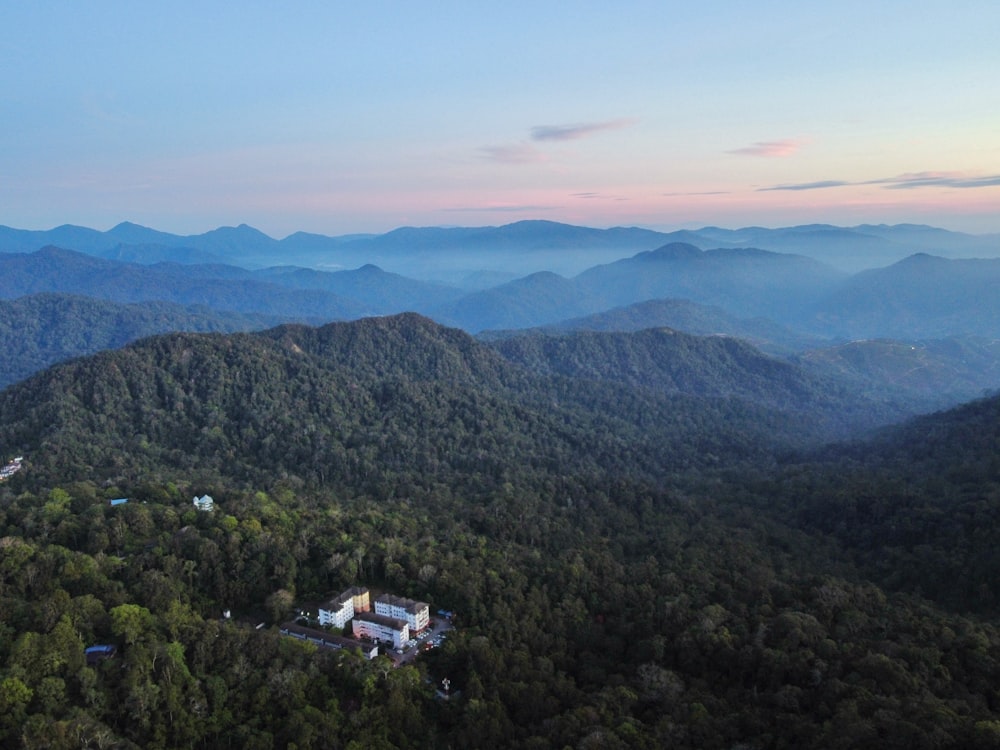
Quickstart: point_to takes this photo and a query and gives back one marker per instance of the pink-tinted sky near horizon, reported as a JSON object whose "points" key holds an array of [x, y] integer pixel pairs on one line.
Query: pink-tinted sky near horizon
{"points": [[335, 119]]}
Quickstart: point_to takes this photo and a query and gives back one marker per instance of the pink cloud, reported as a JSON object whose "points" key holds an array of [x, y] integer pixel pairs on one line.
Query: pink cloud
{"points": [[598, 196], [769, 149]]}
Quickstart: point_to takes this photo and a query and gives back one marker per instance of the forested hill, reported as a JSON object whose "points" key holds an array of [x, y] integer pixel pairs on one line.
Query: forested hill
{"points": [[918, 506], [396, 400], [669, 361], [42, 329]]}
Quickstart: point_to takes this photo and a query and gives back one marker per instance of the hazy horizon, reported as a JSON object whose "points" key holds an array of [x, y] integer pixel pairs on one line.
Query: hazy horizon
{"points": [[495, 225]]}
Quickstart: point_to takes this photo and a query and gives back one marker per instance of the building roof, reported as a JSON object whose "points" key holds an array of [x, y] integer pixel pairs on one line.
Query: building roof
{"points": [[339, 601], [322, 638], [99, 652], [388, 622], [410, 605], [100, 648]]}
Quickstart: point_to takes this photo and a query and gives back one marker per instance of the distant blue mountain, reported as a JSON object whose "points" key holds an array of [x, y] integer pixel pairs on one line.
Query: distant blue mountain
{"points": [[848, 248], [781, 301], [690, 317], [746, 283], [454, 254], [921, 296], [53, 269], [534, 300]]}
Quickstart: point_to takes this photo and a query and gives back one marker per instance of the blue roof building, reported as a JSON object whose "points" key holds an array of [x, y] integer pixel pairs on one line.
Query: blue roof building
{"points": [[98, 653]]}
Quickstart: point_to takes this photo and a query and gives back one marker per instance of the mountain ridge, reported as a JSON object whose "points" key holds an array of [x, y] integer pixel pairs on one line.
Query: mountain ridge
{"points": [[342, 400], [531, 245]]}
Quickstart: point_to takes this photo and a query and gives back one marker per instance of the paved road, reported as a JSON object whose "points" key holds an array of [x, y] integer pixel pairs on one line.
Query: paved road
{"points": [[437, 629]]}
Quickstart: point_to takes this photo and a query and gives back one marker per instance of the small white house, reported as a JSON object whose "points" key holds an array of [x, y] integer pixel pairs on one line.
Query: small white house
{"points": [[205, 502]]}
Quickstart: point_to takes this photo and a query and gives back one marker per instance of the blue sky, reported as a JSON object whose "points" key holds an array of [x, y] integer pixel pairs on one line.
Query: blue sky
{"points": [[339, 117]]}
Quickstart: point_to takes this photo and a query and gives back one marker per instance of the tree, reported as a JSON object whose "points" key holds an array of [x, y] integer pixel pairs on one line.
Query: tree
{"points": [[130, 621], [14, 699], [279, 604]]}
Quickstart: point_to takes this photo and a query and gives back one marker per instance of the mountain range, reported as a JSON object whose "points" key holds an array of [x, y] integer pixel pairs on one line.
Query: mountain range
{"points": [[943, 313], [465, 256], [919, 297]]}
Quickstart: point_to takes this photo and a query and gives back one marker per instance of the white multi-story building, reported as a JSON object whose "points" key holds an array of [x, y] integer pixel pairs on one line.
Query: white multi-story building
{"points": [[416, 614], [381, 628], [340, 610]]}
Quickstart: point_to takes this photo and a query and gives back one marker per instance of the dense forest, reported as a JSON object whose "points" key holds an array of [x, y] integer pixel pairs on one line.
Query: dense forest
{"points": [[630, 565], [43, 329], [664, 360]]}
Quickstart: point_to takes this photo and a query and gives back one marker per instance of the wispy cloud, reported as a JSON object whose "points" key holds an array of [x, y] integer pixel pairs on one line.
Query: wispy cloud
{"points": [[517, 153], [909, 181], [703, 192], [500, 208], [819, 185], [525, 153], [578, 130], [769, 149], [939, 179], [598, 196]]}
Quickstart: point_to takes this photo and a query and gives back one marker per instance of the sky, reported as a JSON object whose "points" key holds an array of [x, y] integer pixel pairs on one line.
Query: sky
{"points": [[337, 118]]}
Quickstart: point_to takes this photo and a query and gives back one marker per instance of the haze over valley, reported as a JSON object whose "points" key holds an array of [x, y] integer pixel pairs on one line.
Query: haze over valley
{"points": [[923, 327]]}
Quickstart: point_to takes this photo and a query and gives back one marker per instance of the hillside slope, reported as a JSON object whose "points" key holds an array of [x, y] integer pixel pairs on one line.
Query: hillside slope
{"points": [[667, 361], [43, 329], [398, 396]]}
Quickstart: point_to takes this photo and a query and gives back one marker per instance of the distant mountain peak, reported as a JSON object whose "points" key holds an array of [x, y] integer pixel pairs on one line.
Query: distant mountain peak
{"points": [[921, 258], [242, 229], [672, 251]]}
